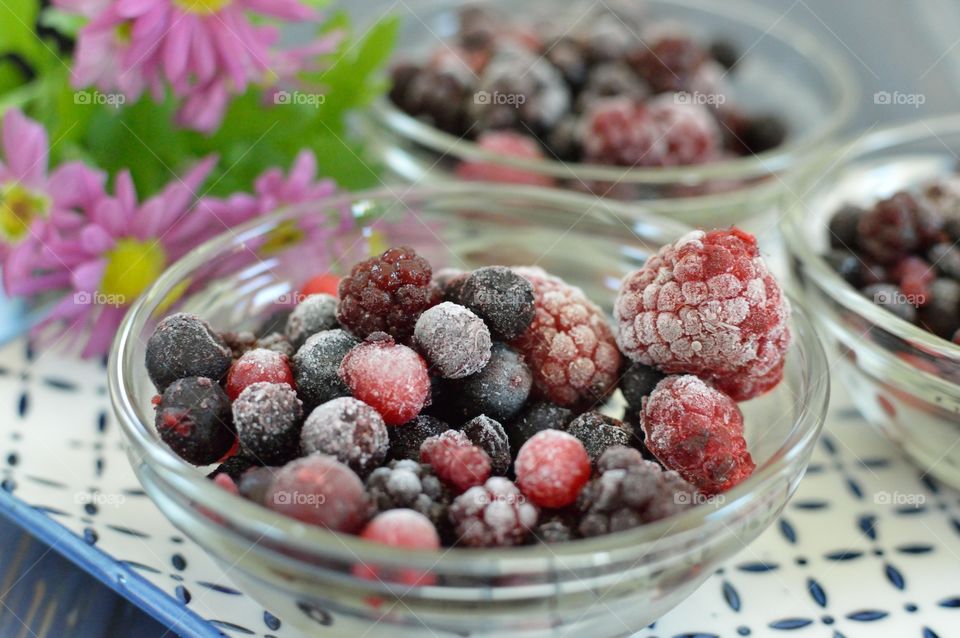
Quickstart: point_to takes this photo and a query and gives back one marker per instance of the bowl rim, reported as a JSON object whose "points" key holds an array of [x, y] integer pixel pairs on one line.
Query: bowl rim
{"points": [[794, 227], [293, 534], [833, 68]]}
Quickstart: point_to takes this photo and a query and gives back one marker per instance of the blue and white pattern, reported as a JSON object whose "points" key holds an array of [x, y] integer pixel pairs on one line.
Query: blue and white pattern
{"points": [[868, 547]]}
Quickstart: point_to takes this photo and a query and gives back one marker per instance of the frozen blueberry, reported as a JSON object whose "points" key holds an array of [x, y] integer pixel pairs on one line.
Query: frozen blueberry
{"points": [[193, 418], [536, 417], [490, 436], [184, 345], [275, 322], [316, 365], [599, 432], [946, 257], [502, 298], [268, 417], [637, 382], [843, 227], [499, 390], [348, 429], [454, 341], [406, 439], [941, 314], [254, 483], [314, 314]]}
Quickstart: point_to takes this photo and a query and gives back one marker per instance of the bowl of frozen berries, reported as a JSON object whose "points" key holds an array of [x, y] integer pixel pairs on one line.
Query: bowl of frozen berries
{"points": [[875, 245], [469, 409], [693, 108]]}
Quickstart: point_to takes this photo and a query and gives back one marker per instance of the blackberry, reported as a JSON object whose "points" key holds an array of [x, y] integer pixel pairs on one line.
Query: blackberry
{"points": [[184, 345], [890, 297], [537, 417], [941, 312], [386, 294], [276, 342], [630, 493], [494, 514], [408, 484], [637, 382], [611, 79], [193, 418], [406, 439], [898, 226], [843, 227], [348, 429], [234, 467], [498, 391], [432, 95], [454, 341], [316, 365], [669, 63], [599, 432], [946, 257], [490, 436], [502, 298], [558, 528], [762, 133], [239, 342], [314, 314], [847, 265], [268, 417], [725, 52]]}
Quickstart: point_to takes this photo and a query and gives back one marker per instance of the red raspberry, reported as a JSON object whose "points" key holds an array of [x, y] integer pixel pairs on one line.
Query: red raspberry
{"points": [[660, 132], [698, 432], [325, 284], [552, 467], [707, 305], [898, 226], [319, 490], [509, 144], [914, 274], [387, 376], [400, 528], [255, 366], [456, 460], [494, 514], [386, 294], [569, 346]]}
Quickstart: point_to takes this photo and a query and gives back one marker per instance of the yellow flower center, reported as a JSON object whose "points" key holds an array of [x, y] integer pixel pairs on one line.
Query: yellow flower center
{"points": [[18, 208], [284, 235], [132, 265], [124, 32], [202, 7]]}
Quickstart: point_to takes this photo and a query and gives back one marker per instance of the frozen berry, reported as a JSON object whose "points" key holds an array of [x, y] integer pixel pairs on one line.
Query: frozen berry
{"points": [[268, 417], [348, 429], [319, 490], [276, 321], [946, 257], [234, 467], [551, 468], [668, 63], [761, 133], [325, 283], [569, 347], [502, 298], [386, 294], [193, 418], [891, 298], [454, 341], [537, 417], [498, 391], [239, 342], [432, 95], [505, 144], [388, 376], [405, 529], [637, 382], [898, 226], [843, 227], [490, 437], [254, 483], [494, 514], [556, 529], [688, 131], [698, 432], [316, 367], [612, 79], [406, 439], [568, 57], [456, 460], [276, 342], [725, 52], [847, 265], [449, 280], [707, 305], [598, 432], [184, 345], [314, 314], [224, 482], [407, 483], [629, 491], [913, 274], [941, 314], [258, 365], [563, 142]]}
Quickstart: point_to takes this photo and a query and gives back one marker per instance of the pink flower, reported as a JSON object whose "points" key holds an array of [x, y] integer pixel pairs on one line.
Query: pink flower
{"points": [[31, 199]]}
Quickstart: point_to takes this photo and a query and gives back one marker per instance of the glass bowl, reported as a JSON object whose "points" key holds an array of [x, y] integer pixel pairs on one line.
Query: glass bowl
{"points": [[604, 586], [902, 378], [785, 70]]}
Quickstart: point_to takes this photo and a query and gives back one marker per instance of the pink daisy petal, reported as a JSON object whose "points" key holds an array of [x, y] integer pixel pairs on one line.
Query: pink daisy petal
{"points": [[25, 147], [95, 239], [86, 278]]}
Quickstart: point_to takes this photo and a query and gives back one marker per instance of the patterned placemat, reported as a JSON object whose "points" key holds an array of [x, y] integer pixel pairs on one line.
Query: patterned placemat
{"points": [[869, 546]]}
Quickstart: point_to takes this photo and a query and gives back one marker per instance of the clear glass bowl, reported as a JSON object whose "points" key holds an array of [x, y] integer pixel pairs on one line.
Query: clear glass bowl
{"points": [[902, 378], [600, 587], [785, 71]]}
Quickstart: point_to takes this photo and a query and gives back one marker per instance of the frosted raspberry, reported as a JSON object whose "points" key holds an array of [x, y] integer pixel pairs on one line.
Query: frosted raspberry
{"points": [[388, 376], [689, 131], [552, 467], [494, 514], [319, 490], [707, 305], [698, 432], [456, 460], [510, 144], [455, 341], [402, 528], [897, 226], [386, 294], [569, 347], [258, 365]]}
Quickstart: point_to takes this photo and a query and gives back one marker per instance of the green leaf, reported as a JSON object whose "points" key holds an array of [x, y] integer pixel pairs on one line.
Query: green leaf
{"points": [[17, 35]]}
